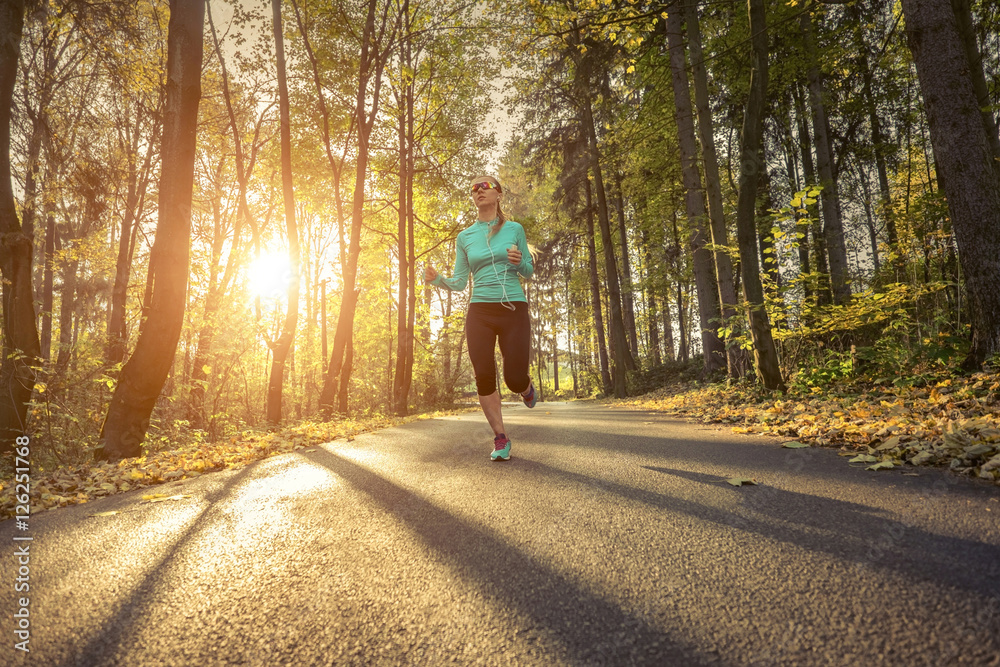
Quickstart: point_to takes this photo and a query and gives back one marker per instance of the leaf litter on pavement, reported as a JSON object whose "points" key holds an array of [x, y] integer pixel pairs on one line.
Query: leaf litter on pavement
{"points": [[77, 484], [954, 422]]}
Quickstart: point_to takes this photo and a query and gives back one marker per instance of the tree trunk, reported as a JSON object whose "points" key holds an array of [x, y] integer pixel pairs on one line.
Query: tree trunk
{"points": [[67, 306], [405, 319], [879, 145], [967, 31], [628, 302], [965, 159], [668, 330], [651, 309], [709, 309], [765, 354], [866, 202], [801, 221], [338, 376], [595, 292], [833, 224], [809, 176], [144, 374], [48, 286], [218, 286], [336, 164], [737, 359], [283, 345], [21, 347], [555, 363], [620, 357], [399, 400], [682, 342], [135, 199], [763, 223]]}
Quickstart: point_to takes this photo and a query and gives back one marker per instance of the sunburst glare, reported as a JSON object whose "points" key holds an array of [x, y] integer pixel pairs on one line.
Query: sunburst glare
{"points": [[270, 274]]}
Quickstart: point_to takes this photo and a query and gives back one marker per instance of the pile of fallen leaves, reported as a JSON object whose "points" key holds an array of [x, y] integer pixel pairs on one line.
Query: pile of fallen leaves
{"points": [[955, 422], [71, 485]]}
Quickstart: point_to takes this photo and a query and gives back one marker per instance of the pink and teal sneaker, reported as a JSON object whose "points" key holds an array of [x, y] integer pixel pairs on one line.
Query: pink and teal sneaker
{"points": [[501, 448], [529, 398]]}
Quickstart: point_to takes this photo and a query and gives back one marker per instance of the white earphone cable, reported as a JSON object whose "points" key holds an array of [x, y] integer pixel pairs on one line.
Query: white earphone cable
{"points": [[505, 301]]}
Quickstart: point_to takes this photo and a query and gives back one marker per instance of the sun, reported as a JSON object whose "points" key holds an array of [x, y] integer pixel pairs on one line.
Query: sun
{"points": [[270, 275]]}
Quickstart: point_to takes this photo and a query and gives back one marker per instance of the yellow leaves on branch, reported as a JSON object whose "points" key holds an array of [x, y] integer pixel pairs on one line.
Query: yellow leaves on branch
{"points": [[955, 422]]}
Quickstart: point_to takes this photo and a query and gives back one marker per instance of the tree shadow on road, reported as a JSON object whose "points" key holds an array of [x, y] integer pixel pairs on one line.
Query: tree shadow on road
{"points": [[119, 627], [845, 530], [591, 629]]}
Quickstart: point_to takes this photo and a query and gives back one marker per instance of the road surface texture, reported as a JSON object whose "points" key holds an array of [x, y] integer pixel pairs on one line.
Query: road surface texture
{"points": [[610, 538]]}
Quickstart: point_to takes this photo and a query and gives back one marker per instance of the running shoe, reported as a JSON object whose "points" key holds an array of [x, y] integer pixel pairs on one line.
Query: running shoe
{"points": [[529, 399], [501, 448]]}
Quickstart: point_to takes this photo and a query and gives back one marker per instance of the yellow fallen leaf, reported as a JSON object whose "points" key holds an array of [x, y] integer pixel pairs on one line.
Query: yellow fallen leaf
{"points": [[111, 513], [160, 500], [889, 444]]}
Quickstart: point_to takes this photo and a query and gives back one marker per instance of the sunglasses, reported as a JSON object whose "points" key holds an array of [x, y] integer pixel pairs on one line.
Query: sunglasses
{"points": [[485, 185]]}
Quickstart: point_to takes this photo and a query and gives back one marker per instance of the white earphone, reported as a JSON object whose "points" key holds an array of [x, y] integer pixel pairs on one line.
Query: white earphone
{"points": [[505, 301]]}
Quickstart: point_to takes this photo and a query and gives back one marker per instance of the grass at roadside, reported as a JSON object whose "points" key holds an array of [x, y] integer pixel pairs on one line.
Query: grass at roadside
{"points": [[954, 422]]}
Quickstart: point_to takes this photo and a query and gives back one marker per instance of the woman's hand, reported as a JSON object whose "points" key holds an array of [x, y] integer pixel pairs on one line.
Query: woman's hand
{"points": [[514, 255], [429, 273]]}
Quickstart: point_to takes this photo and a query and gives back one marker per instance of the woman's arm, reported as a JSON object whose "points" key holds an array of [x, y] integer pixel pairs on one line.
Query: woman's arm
{"points": [[459, 275], [526, 266]]}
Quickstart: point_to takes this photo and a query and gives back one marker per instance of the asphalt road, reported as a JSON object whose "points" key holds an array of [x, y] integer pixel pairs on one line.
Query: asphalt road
{"points": [[610, 537]]}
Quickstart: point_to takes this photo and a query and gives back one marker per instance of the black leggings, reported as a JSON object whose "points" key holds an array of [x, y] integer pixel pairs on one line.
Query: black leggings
{"points": [[484, 323]]}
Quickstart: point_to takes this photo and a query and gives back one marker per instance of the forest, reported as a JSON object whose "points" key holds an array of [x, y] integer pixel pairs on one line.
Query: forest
{"points": [[215, 214]]}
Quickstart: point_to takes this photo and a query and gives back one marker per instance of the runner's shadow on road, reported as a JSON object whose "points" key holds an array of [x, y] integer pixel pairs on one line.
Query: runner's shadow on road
{"points": [[591, 629]]}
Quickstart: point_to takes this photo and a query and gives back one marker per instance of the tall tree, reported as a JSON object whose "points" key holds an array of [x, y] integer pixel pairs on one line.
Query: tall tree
{"points": [[281, 347], [405, 247], [21, 348], [880, 146], [751, 167], [595, 289], [245, 161], [965, 160], [737, 361], [628, 301], [620, 356], [966, 29], [142, 377], [833, 224], [137, 181], [709, 309], [376, 41]]}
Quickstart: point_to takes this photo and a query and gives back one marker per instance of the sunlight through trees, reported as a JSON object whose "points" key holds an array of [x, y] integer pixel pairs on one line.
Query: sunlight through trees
{"points": [[188, 252]]}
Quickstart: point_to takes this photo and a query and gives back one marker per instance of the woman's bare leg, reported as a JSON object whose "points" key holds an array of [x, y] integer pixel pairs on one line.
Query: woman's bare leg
{"points": [[493, 411]]}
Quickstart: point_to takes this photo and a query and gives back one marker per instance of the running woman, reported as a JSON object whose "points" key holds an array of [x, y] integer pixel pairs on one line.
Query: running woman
{"points": [[495, 252]]}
